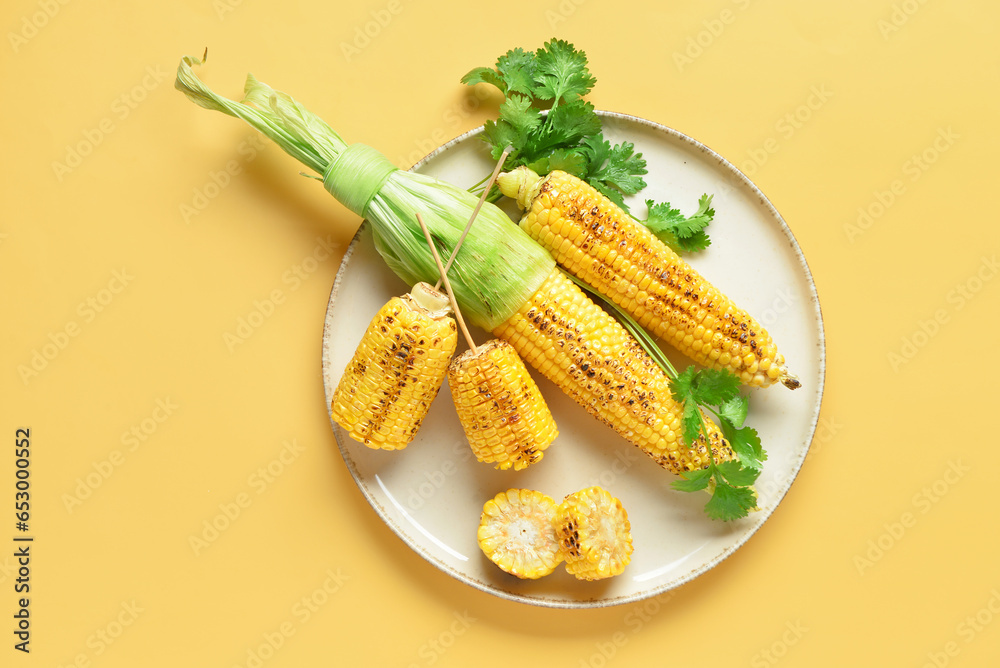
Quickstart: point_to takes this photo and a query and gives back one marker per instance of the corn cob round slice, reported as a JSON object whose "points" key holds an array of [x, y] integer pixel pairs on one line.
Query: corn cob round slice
{"points": [[501, 408], [599, 243], [593, 359], [595, 534], [516, 532], [397, 370]]}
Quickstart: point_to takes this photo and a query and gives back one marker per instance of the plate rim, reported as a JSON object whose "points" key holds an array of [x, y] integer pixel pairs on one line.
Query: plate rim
{"points": [[736, 174]]}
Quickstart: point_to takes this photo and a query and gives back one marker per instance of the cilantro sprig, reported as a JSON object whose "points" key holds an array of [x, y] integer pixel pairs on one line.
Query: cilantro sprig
{"points": [[717, 391], [549, 125], [684, 234], [713, 391]]}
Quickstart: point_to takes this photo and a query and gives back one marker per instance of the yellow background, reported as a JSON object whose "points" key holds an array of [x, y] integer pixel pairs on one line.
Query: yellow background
{"points": [[902, 472]]}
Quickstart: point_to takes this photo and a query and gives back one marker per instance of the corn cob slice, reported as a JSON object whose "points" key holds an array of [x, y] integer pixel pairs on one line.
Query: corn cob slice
{"points": [[397, 370], [602, 245], [595, 534], [589, 355], [516, 532], [501, 408]]}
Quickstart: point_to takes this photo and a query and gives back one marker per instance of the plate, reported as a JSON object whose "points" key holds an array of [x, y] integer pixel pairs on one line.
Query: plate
{"points": [[431, 494]]}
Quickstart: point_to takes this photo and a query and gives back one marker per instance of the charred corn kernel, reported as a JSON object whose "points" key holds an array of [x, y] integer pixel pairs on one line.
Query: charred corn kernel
{"points": [[592, 358], [595, 534], [516, 532], [501, 408], [618, 256], [397, 370]]}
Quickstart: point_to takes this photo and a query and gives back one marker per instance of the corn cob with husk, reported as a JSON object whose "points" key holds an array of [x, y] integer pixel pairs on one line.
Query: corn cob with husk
{"points": [[596, 241], [504, 282], [397, 370], [502, 411]]}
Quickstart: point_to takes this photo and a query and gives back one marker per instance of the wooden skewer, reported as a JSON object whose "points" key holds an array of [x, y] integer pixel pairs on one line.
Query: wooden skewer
{"points": [[475, 212], [447, 285]]}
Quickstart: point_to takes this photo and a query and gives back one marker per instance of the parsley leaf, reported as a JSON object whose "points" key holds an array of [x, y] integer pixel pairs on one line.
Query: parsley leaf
{"points": [[733, 497], [682, 233], [681, 386], [693, 481], [561, 73], [735, 410], [567, 160], [715, 386], [516, 69], [746, 444], [614, 170], [518, 120], [730, 503], [737, 474], [484, 75], [564, 126]]}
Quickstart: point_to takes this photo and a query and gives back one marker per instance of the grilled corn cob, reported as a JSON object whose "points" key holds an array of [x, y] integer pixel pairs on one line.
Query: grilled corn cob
{"points": [[589, 355], [599, 243], [501, 408], [595, 534], [397, 370], [504, 281], [517, 533]]}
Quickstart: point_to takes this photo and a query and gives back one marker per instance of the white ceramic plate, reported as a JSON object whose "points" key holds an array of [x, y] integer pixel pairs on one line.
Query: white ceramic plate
{"points": [[431, 494]]}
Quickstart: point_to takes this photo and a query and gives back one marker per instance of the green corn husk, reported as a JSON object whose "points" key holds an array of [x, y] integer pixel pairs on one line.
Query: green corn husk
{"points": [[498, 266]]}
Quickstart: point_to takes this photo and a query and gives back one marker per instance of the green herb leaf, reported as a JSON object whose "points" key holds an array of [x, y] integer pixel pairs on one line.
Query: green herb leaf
{"points": [[561, 73], [484, 75], [516, 69], [730, 503], [737, 474], [746, 444], [623, 169], [613, 170], [715, 386], [684, 234], [567, 160], [572, 122], [517, 111], [735, 410], [693, 481], [691, 421], [681, 386]]}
